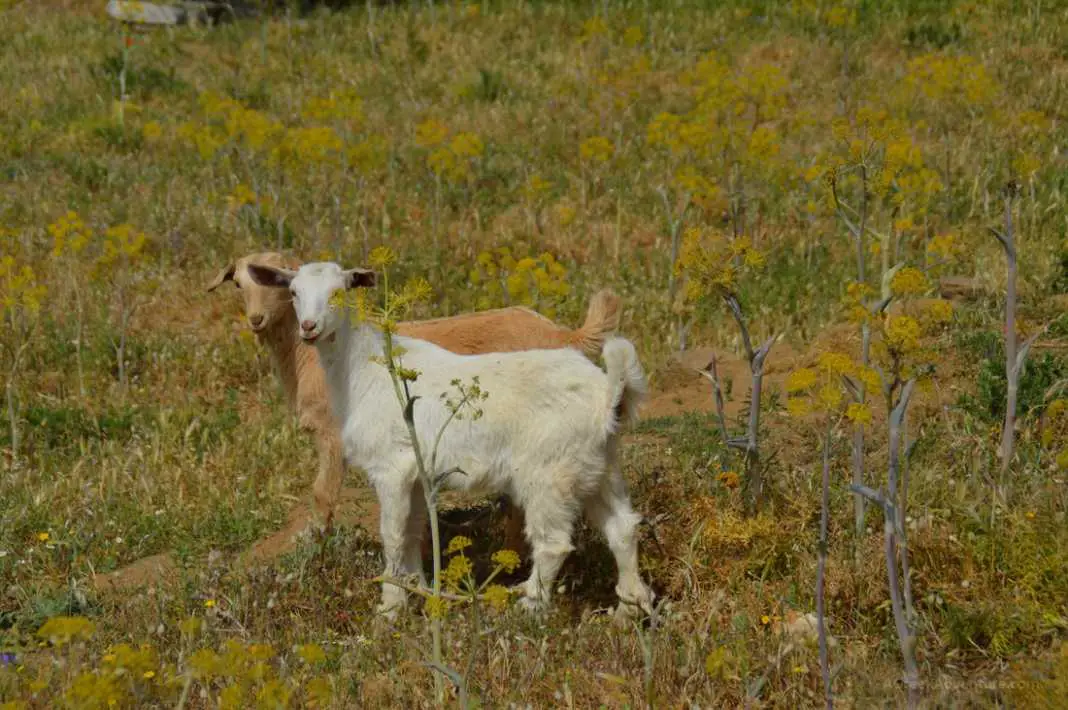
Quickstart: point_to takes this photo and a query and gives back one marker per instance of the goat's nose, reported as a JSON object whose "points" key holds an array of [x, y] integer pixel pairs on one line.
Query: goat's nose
{"points": [[307, 325], [256, 319]]}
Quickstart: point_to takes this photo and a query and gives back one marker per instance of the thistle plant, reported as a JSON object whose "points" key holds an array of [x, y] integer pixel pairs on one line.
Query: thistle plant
{"points": [[20, 300], [713, 263]]}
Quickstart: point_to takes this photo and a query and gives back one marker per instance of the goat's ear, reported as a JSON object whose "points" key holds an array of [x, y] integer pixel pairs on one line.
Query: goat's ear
{"points": [[355, 278], [270, 276], [226, 274]]}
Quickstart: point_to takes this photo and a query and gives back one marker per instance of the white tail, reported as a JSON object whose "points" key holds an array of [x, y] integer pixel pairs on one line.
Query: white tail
{"points": [[627, 385]]}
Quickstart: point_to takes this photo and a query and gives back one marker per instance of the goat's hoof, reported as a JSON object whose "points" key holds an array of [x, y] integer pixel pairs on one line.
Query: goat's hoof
{"points": [[534, 607], [388, 611], [630, 610]]}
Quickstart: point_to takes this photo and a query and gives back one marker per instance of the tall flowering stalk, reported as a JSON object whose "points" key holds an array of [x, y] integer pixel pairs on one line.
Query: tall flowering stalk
{"points": [[878, 186], [1015, 358], [70, 236], [20, 303], [119, 266], [397, 303], [713, 263], [822, 391]]}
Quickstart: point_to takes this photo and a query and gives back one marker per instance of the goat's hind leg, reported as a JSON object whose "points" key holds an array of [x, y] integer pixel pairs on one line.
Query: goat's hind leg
{"points": [[550, 517], [609, 510]]}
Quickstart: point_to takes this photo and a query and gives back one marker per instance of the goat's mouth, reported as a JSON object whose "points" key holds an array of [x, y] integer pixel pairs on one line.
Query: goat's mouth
{"points": [[310, 337]]}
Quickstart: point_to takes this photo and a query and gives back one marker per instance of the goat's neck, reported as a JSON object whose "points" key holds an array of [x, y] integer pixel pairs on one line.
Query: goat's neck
{"points": [[348, 354], [290, 356]]}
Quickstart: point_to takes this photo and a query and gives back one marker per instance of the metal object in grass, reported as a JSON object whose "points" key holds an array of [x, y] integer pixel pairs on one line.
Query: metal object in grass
{"points": [[181, 12]]}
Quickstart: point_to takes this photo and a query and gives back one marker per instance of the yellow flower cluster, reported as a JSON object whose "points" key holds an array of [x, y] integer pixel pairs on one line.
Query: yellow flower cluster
{"points": [[508, 560], [596, 149], [238, 675], [717, 124], [21, 292], [712, 262], [342, 106], [121, 242], [536, 188], [908, 281], [902, 334], [955, 78], [62, 630], [505, 277], [70, 235], [821, 387], [452, 159], [498, 596]]}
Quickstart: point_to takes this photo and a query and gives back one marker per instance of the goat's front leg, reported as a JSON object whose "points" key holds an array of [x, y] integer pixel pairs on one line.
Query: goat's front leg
{"points": [[327, 486], [417, 523], [395, 502]]}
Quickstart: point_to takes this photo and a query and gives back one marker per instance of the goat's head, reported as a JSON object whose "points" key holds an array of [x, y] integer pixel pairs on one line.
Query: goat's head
{"points": [[312, 287], [263, 305]]}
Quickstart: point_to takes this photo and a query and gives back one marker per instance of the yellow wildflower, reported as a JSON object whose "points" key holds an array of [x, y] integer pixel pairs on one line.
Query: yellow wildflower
{"points": [[311, 654], [430, 133], [835, 363], [458, 544], [800, 380], [61, 630], [459, 569], [597, 149], [43, 536], [798, 406], [498, 596], [858, 413], [902, 333], [381, 257], [938, 312], [507, 559], [209, 603], [436, 607], [868, 377], [909, 281], [830, 397]]}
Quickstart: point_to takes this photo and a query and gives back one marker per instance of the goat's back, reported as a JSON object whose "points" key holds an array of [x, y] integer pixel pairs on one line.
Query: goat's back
{"points": [[498, 330]]}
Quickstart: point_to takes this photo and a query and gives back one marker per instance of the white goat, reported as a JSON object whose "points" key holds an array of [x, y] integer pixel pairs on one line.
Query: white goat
{"points": [[548, 438]]}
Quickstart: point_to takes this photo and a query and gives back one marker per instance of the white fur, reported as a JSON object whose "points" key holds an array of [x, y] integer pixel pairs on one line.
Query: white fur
{"points": [[548, 437]]}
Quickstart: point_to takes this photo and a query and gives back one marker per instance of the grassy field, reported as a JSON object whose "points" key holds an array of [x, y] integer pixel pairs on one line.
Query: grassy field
{"points": [[512, 151]]}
